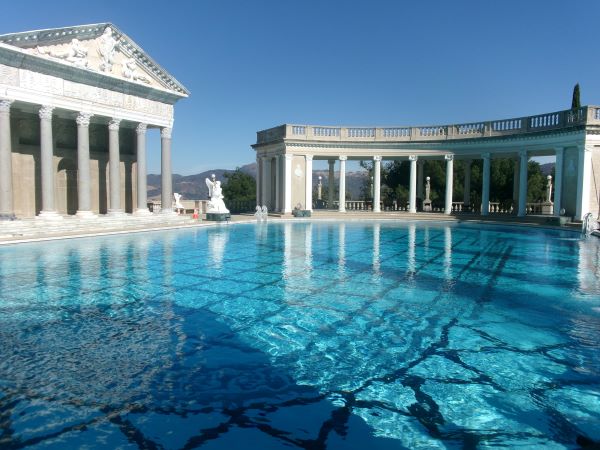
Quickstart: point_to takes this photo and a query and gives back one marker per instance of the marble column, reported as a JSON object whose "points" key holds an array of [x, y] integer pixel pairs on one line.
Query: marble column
{"points": [[523, 163], [48, 210], [6, 186], [412, 195], [420, 179], [515, 196], [258, 180], [166, 176], [287, 202], [449, 183], [114, 167], [308, 181], [467, 185], [342, 200], [266, 181], [84, 190], [277, 206], [558, 179], [142, 175], [376, 184], [331, 184], [584, 179], [485, 188]]}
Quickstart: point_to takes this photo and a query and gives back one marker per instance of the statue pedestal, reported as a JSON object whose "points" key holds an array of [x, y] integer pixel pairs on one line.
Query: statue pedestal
{"points": [[218, 217], [548, 208], [427, 205], [301, 213]]}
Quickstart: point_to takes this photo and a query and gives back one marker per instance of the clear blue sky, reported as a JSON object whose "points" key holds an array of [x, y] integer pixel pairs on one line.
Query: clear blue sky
{"points": [[251, 65]]}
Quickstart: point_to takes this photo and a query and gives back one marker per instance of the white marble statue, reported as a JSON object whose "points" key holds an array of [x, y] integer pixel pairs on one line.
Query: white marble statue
{"points": [[178, 205], [106, 49], [216, 204]]}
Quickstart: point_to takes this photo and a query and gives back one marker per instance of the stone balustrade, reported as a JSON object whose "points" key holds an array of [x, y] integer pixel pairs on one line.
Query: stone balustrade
{"points": [[586, 115]]}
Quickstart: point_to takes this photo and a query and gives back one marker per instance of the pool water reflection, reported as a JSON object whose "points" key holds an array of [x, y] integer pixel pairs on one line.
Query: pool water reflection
{"points": [[302, 335]]}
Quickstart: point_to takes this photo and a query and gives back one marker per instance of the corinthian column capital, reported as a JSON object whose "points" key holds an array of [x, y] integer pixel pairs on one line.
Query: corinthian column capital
{"points": [[166, 132], [5, 105], [141, 128], [46, 112], [114, 124], [83, 119]]}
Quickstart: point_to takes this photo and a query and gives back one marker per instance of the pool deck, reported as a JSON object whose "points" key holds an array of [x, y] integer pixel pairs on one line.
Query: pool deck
{"points": [[31, 230]]}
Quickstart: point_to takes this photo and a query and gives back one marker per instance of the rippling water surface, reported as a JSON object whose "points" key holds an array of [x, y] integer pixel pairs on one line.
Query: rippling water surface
{"points": [[302, 335]]}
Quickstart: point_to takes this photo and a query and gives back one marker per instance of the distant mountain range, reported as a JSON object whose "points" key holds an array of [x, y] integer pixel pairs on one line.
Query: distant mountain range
{"points": [[193, 187]]}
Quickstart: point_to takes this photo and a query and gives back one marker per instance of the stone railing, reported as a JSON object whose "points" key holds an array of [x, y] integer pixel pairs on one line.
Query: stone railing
{"points": [[586, 115]]}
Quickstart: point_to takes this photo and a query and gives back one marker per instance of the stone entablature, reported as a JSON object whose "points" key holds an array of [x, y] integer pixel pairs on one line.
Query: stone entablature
{"points": [[567, 120], [32, 87]]}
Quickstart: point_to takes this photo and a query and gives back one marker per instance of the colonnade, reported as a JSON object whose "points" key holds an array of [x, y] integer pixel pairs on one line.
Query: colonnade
{"points": [[282, 190], [84, 188]]}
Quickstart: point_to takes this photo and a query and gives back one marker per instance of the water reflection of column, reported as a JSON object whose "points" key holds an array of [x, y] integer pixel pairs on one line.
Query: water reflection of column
{"points": [[342, 248], [141, 246], [287, 251], [217, 241], [448, 253], [588, 267], [412, 247], [116, 267], [376, 251], [308, 250]]}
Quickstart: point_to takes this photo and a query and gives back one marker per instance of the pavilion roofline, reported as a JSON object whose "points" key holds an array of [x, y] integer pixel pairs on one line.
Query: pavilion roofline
{"points": [[555, 121]]}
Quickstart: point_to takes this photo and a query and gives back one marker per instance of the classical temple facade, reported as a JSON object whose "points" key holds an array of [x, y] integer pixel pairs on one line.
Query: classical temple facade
{"points": [[285, 155], [75, 106]]}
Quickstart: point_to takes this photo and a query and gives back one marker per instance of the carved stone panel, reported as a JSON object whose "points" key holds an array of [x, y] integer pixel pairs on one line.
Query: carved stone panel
{"points": [[9, 75]]}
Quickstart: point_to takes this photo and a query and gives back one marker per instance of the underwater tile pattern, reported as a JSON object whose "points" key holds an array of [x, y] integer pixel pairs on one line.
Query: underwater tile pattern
{"points": [[302, 335]]}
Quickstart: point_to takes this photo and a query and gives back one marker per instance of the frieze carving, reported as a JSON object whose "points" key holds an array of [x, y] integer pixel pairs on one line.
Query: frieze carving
{"points": [[141, 128], [5, 105], [46, 112], [114, 124], [40, 82], [9, 75], [166, 133], [83, 119]]}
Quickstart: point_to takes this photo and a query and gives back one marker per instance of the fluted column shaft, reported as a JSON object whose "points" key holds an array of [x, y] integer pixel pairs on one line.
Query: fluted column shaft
{"points": [[376, 183], [84, 195], [6, 185], [277, 206], [46, 160], [342, 206], [114, 166], [449, 183], [412, 195], [166, 175], [308, 177], [287, 181], [523, 163], [266, 181], [142, 188]]}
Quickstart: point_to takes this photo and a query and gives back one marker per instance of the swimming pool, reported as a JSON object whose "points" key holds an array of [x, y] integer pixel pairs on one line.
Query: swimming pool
{"points": [[320, 335]]}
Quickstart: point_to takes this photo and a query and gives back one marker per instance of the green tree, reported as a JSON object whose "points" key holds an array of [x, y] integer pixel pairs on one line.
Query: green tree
{"points": [[239, 187], [575, 102]]}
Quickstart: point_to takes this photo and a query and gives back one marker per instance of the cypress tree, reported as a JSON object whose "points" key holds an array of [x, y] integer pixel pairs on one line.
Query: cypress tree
{"points": [[576, 103]]}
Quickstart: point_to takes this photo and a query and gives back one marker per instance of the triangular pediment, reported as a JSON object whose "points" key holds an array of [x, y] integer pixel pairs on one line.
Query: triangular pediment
{"points": [[101, 48]]}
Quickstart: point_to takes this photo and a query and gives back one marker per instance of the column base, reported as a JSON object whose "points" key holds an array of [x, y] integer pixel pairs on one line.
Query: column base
{"points": [[142, 212], [49, 215], [168, 212], [115, 213], [85, 215]]}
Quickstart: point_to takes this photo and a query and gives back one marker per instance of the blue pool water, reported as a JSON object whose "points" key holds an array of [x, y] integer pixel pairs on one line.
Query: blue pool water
{"points": [[302, 335]]}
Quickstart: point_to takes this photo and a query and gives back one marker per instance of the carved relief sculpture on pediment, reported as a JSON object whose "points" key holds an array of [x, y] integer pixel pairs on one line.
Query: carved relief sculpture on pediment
{"points": [[130, 72], [75, 53], [106, 50]]}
